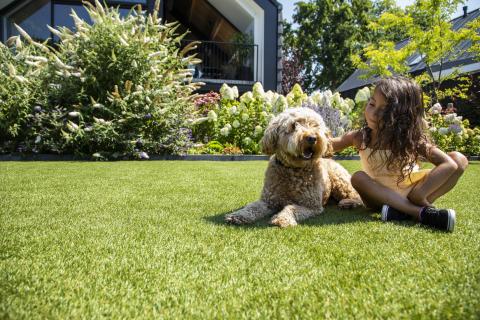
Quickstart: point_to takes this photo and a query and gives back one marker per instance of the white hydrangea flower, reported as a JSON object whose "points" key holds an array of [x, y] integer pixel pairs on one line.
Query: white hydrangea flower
{"points": [[317, 97], [280, 104], [258, 130], [337, 99], [350, 103], [362, 95], [443, 131], [458, 120], [236, 124], [247, 97], [233, 110], [235, 92], [450, 117], [264, 114], [228, 126], [269, 97], [224, 131], [74, 114], [212, 116], [258, 92], [345, 107], [436, 108], [327, 98], [226, 92], [245, 116], [433, 129], [247, 140]]}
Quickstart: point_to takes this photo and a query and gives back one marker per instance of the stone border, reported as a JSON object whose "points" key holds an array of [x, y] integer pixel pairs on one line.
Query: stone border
{"points": [[190, 157]]}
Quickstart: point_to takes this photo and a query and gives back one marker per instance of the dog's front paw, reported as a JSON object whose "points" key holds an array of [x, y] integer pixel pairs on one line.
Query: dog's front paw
{"points": [[349, 203], [283, 221], [236, 218]]}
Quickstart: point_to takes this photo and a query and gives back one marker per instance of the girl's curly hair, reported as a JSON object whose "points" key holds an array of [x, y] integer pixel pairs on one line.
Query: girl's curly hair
{"points": [[401, 127]]}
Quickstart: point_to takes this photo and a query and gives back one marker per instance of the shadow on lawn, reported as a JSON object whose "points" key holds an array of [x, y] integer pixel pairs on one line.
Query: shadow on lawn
{"points": [[330, 216]]}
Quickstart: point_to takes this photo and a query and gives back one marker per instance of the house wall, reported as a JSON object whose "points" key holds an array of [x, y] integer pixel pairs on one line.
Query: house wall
{"points": [[270, 44]]}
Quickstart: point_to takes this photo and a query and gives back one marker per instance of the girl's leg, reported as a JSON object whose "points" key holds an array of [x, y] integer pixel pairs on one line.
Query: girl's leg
{"points": [[415, 195], [375, 195]]}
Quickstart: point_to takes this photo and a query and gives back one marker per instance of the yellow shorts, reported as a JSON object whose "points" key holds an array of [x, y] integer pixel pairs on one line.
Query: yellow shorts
{"points": [[404, 187]]}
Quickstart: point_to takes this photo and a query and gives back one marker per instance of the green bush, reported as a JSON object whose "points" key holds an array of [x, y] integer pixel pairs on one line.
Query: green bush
{"points": [[18, 94], [239, 123], [453, 133], [117, 88]]}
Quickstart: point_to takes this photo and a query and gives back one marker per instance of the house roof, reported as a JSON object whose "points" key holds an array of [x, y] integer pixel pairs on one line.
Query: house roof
{"points": [[459, 58], [5, 3]]}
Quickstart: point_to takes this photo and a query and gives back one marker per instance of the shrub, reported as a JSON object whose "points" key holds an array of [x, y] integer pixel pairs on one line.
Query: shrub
{"points": [[453, 133], [119, 87], [240, 123], [18, 94]]}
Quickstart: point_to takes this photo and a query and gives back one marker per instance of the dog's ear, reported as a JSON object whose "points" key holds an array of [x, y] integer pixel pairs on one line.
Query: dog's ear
{"points": [[268, 142], [328, 153]]}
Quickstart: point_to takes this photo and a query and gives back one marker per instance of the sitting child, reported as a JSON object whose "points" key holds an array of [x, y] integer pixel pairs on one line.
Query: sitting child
{"points": [[390, 146]]}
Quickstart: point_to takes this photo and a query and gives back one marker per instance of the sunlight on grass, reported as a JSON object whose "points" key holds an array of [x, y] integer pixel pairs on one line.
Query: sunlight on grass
{"points": [[147, 239]]}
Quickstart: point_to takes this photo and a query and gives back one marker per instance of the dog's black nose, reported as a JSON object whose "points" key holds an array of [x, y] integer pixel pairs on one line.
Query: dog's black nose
{"points": [[311, 139]]}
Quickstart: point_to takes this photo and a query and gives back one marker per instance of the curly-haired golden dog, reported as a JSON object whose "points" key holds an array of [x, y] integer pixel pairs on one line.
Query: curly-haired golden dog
{"points": [[298, 181]]}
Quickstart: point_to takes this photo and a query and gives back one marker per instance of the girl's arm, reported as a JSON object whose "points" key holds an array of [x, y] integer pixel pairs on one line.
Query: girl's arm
{"points": [[347, 140], [445, 166]]}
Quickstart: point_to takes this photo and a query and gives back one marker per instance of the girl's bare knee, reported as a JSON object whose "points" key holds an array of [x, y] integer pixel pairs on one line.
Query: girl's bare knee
{"points": [[460, 160], [358, 178]]}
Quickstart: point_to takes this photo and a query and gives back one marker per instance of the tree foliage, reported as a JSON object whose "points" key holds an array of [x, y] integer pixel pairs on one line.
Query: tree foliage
{"points": [[430, 36], [329, 32]]}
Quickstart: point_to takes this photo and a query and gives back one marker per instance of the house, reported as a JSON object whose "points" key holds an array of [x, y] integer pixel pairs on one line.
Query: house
{"points": [[240, 39], [464, 62]]}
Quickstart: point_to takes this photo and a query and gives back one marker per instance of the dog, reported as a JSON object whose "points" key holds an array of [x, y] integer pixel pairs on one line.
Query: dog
{"points": [[299, 179]]}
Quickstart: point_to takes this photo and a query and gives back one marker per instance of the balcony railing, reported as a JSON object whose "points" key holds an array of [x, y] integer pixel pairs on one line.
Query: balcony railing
{"points": [[225, 62]]}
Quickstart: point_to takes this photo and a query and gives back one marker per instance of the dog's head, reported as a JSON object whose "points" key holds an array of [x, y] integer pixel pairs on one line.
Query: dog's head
{"points": [[297, 136]]}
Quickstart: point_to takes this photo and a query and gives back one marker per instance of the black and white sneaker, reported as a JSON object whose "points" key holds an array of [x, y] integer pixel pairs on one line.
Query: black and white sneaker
{"points": [[443, 219], [392, 214]]}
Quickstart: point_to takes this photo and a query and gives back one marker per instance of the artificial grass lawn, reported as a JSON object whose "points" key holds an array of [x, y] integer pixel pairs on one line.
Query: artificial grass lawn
{"points": [[147, 240]]}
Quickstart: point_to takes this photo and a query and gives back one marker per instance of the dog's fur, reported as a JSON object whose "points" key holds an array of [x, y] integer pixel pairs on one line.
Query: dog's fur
{"points": [[299, 180]]}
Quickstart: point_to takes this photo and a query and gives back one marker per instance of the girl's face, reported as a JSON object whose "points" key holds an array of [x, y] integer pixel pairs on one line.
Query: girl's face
{"points": [[374, 109]]}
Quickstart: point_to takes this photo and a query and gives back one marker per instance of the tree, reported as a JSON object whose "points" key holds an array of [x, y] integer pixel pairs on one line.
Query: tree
{"points": [[292, 68], [329, 32], [430, 35]]}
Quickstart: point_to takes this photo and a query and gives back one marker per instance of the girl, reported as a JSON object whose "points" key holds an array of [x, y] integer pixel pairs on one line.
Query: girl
{"points": [[390, 145]]}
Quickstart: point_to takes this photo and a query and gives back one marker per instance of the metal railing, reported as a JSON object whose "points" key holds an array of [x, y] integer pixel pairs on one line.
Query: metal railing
{"points": [[225, 61]]}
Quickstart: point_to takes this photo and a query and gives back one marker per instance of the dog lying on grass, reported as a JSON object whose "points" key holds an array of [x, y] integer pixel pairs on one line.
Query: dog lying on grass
{"points": [[299, 180]]}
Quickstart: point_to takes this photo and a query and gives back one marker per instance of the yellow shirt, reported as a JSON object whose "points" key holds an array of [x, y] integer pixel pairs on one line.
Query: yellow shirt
{"points": [[375, 167]]}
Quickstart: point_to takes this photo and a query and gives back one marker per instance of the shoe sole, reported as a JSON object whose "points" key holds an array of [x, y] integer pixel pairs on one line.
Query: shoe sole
{"points": [[451, 220], [385, 213]]}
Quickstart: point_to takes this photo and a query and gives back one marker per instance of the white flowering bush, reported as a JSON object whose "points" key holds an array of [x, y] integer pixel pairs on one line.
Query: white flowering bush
{"points": [[451, 132], [234, 121], [18, 94], [118, 88], [239, 122]]}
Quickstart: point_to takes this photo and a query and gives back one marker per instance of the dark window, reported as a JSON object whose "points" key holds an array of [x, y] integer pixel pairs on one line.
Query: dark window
{"points": [[62, 16], [33, 18]]}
